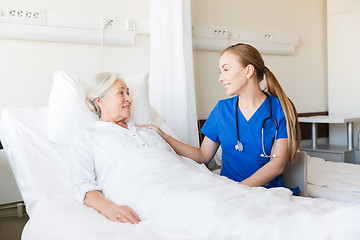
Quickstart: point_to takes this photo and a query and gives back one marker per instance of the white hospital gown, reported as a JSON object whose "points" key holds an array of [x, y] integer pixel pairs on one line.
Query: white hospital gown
{"points": [[92, 153]]}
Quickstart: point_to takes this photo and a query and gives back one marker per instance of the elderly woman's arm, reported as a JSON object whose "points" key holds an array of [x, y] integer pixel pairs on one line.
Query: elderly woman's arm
{"points": [[86, 190], [116, 213]]}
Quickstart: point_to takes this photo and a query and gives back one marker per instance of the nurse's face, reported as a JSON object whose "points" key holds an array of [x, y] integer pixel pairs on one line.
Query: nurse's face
{"points": [[233, 75], [115, 106]]}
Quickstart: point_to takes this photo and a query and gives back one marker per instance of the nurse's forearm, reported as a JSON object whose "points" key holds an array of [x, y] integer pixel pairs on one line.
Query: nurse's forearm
{"points": [[264, 174], [273, 168], [202, 155], [184, 149]]}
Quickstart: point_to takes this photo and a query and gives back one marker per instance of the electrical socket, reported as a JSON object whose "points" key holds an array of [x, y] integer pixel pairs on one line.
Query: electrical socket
{"points": [[219, 33], [141, 26], [131, 25], [115, 24], [109, 23], [12, 13], [28, 15], [222, 33], [268, 37]]}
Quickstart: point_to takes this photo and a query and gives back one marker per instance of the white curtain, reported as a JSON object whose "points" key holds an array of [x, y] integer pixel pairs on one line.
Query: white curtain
{"points": [[171, 84]]}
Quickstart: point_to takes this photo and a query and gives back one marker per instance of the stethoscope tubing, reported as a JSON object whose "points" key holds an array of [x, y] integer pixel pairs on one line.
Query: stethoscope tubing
{"points": [[239, 146]]}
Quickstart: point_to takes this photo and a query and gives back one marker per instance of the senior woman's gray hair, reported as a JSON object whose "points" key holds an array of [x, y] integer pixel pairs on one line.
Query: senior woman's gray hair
{"points": [[98, 87]]}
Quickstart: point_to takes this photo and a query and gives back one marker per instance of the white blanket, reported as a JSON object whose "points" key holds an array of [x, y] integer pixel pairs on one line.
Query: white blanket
{"points": [[169, 192], [177, 199]]}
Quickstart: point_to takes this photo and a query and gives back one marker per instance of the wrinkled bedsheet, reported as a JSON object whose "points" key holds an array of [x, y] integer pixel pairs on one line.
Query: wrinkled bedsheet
{"points": [[336, 181], [179, 198]]}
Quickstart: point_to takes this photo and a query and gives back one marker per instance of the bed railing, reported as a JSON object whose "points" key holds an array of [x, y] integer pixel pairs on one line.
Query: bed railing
{"points": [[13, 209]]}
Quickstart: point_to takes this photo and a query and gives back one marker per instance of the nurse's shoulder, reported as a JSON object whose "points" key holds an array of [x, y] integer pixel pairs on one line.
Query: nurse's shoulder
{"points": [[276, 106], [227, 103]]}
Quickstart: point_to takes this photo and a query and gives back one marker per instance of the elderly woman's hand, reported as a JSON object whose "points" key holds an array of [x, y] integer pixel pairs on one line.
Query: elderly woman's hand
{"points": [[110, 210], [155, 128], [122, 214]]}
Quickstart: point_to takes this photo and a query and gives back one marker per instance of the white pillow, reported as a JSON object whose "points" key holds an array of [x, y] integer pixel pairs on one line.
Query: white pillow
{"points": [[68, 113], [140, 106]]}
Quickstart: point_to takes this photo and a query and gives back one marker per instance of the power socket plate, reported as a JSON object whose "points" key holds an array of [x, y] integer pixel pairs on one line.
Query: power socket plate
{"points": [[23, 14]]}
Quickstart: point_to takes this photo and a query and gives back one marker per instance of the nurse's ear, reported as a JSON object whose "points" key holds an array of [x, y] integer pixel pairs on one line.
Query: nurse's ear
{"points": [[249, 71]]}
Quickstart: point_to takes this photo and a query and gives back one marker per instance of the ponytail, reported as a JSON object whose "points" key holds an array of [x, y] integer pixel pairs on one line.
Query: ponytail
{"points": [[292, 124], [249, 55]]}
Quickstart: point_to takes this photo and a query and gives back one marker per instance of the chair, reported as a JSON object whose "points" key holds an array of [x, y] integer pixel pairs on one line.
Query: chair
{"points": [[295, 174]]}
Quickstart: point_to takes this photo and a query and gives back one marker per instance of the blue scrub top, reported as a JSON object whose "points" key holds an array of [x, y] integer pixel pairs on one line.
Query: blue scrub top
{"points": [[221, 127]]}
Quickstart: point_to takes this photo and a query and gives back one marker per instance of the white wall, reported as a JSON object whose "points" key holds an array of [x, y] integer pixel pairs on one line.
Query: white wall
{"points": [[302, 76], [27, 66], [344, 62]]}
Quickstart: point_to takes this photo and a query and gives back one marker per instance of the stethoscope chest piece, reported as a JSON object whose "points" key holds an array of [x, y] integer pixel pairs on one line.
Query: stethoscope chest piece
{"points": [[239, 147]]}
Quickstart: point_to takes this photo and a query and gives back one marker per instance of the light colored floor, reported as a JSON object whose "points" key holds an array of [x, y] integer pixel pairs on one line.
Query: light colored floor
{"points": [[11, 227]]}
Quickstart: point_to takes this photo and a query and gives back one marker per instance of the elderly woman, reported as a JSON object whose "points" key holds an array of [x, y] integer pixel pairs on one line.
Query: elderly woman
{"points": [[92, 153]]}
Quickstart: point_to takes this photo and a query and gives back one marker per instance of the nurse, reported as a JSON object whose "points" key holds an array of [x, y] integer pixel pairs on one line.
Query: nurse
{"points": [[257, 129]]}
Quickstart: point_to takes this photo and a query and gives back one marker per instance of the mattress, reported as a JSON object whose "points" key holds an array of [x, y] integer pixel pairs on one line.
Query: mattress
{"points": [[336, 181]]}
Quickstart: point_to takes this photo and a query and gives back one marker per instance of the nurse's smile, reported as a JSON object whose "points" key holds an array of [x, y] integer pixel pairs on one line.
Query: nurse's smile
{"points": [[226, 85]]}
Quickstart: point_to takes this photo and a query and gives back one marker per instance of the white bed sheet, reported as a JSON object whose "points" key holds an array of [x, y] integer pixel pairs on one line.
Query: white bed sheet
{"points": [[41, 173], [39, 166], [336, 181]]}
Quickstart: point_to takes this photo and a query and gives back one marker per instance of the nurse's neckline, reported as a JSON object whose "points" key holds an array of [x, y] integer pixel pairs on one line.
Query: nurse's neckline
{"points": [[249, 116]]}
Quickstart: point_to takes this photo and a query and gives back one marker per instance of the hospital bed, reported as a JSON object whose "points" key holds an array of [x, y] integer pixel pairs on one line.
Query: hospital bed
{"points": [[40, 169]]}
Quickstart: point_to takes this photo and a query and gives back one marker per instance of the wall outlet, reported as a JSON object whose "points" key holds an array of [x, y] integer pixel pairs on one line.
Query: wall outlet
{"points": [[268, 37], [221, 33], [27, 15], [141, 26], [115, 24]]}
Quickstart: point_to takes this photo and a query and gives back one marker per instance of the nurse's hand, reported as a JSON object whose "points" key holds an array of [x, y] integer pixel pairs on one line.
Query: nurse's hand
{"points": [[155, 128]]}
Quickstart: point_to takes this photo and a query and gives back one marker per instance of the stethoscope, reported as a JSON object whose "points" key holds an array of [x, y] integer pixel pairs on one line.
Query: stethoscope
{"points": [[239, 146]]}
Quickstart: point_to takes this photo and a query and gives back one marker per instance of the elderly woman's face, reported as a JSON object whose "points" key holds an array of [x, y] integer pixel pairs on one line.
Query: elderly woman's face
{"points": [[115, 106]]}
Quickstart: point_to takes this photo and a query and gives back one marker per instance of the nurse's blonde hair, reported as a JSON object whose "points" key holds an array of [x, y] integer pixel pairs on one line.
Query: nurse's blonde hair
{"points": [[98, 87], [249, 55]]}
